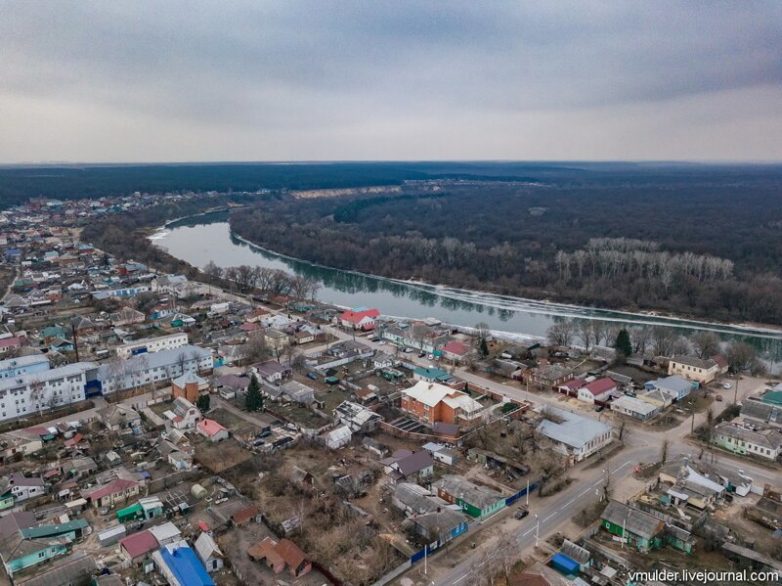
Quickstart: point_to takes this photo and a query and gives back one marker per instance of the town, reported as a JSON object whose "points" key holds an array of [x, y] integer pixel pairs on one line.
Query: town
{"points": [[158, 429]]}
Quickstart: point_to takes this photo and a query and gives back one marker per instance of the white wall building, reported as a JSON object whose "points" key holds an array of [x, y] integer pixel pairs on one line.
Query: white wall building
{"points": [[31, 393], [153, 368], [149, 345]]}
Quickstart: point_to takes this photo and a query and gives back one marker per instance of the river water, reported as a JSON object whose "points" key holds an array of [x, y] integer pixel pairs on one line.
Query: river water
{"points": [[201, 239]]}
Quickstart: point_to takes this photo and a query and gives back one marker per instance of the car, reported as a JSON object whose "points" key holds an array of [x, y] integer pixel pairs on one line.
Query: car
{"points": [[421, 354], [521, 513], [718, 398], [726, 386]]}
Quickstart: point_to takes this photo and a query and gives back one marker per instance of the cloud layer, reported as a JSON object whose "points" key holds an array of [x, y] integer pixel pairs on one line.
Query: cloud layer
{"points": [[249, 80]]}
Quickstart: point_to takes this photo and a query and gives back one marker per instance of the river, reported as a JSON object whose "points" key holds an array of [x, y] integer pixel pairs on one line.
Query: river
{"points": [[201, 239]]}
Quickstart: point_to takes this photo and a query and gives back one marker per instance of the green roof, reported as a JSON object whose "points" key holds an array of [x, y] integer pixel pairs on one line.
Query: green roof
{"points": [[131, 511], [773, 398], [54, 530]]}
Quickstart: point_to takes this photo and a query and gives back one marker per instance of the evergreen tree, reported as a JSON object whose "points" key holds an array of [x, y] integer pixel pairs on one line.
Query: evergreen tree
{"points": [[484, 347], [254, 400], [622, 344], [203, 403]]}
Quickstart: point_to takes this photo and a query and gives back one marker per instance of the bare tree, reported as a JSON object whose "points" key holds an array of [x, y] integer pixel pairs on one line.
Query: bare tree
{"points": [[706, 344], [741, 356], [561, 333]]}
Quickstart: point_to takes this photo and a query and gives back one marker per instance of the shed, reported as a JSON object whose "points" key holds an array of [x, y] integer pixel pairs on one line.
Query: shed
{"points": [[564, 564]]}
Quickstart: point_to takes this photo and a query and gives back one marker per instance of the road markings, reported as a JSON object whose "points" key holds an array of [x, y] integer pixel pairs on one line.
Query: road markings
{"points": [[460, 579]]}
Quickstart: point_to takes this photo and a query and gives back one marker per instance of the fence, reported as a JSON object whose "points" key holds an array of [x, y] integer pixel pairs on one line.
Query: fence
{"points": [[513, 498]]}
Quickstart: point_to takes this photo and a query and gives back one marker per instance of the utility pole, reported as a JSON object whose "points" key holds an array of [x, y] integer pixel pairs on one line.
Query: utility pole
{"points": [[528, 492], [736, 390]]}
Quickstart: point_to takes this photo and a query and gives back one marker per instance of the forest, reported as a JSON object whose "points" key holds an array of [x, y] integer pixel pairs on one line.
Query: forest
{"points": [[698, 241]]}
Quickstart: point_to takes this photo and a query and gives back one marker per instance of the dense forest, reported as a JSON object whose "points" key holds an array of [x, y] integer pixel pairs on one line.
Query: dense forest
{"points": [[702, 241]]}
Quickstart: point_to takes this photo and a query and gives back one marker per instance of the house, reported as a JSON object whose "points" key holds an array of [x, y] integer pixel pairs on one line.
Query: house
{"points": [[431, 374], [407, 465], [675, 386], [212, 430], [573, 435], [137, 547], [108, 495], [635, 527], [456, 350], [357, 417], [550, 376], [598, 391], [185, 415], [271, 371], [298, 392], [208, 552], [477, 501], [19, 553], [120, 417], [189, 386], [435, 403], [692, 368], [635, 408], [766, 412], [23, 487], [276, 340], [756, 440], [430, 515], [570, 387], [383, 360], [338, 438], [279, 555], [360, 319], [180, 565]]}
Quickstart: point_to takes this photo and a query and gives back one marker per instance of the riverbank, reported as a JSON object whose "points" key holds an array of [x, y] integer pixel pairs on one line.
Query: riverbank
{"points": [[510, 315]]}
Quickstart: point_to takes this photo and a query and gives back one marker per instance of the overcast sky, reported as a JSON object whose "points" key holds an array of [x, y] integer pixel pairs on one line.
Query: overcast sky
{"points": [[370, 80]]}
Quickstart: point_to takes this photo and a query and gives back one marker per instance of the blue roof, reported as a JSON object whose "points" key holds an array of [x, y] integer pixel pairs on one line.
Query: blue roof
{"points": [[186, 567], [564, 564]]}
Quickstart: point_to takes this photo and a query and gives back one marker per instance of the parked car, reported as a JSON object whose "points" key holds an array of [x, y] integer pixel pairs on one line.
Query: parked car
{"points": [[521, 513]]}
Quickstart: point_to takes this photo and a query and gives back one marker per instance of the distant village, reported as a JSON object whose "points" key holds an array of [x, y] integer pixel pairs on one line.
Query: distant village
{"points": [[156, 429]]}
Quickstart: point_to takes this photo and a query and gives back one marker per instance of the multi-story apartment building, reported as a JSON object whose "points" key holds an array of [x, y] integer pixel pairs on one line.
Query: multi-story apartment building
{"points": [[153, 368], [31, 393]]}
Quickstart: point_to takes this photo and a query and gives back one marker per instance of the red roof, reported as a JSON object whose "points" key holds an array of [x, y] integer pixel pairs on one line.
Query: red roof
{"points": [[456, 347], [74, 441], [573, 384], [355, 317], [250, 326], [600, 386], [139, 543], [10, 342], [119, 485], [210, 427]]}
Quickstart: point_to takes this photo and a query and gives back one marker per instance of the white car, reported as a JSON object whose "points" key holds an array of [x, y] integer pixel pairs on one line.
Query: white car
{"points": [[727, 386]]}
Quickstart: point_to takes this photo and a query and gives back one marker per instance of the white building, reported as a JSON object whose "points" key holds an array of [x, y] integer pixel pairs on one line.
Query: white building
{"points": [[575, 436], [149, 345], [32, 393], [153, 368]]}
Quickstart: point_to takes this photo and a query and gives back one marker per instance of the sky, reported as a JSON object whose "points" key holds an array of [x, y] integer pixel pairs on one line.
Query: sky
{"points": [[251, 80]]}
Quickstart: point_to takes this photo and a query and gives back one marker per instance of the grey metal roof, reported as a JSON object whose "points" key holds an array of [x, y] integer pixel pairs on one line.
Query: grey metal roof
{"points": [[634, 521], [571, 429]]}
